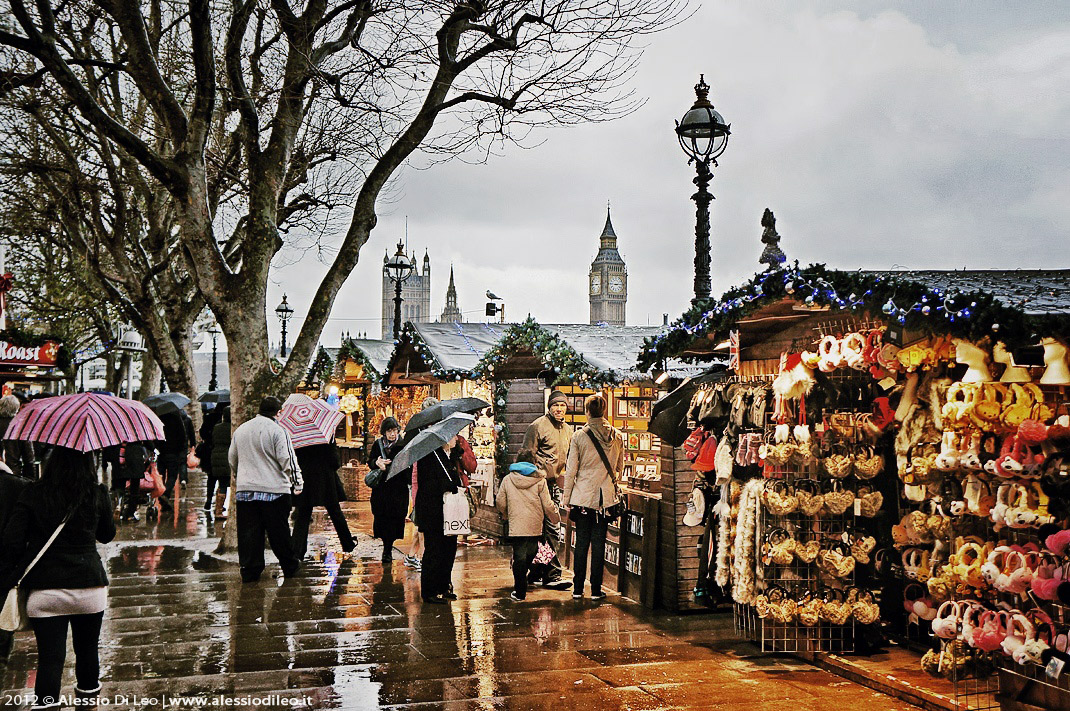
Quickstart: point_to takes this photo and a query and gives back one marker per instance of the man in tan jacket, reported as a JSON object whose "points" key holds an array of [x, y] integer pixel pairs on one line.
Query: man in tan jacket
{"points": [[524, 502], [549, 438]]}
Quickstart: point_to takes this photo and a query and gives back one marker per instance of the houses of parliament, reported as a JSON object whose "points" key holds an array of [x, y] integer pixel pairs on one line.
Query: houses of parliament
{"points": [[607, 282]]}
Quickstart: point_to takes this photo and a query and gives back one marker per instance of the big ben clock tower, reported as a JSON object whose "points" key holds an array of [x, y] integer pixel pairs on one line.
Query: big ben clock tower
{"points": [[608, 282]]}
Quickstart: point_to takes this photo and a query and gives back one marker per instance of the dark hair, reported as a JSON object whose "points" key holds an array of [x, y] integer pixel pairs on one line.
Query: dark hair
{"points": [[68, 484], [595, 405], [270, 406], [388, 423], [525, 455]]}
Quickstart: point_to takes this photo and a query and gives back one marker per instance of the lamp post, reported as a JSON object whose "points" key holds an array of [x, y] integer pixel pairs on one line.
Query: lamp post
{"points": [[703, 135], [213, 383], [285, 313], [398, 268]]}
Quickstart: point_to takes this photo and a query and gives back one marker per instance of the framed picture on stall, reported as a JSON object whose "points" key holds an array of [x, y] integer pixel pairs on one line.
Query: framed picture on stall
{"points": [[633, 408], [628, 471], [644, 440], [644, 408], [648, 392], [633, 442], [622, 408]]}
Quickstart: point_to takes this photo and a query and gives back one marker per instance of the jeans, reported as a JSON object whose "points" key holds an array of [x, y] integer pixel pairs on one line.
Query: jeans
{"points": [[51, 634], [304, 518], [524, 549], [255, 518], [590, 536], [436, 569]]}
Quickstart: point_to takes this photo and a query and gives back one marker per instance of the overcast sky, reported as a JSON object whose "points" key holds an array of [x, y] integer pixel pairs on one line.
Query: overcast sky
{"points": [[920, 134]]}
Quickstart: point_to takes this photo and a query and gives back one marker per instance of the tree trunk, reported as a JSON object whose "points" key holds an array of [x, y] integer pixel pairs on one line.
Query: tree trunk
{"points": [[150, 377]]}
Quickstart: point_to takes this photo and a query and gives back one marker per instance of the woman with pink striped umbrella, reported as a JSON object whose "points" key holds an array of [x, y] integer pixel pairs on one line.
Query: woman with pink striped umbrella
{"points": [[312, 425], [67, 583]]}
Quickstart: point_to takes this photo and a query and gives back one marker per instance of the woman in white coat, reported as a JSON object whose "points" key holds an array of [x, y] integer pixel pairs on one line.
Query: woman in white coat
{"points": [[595, 460]]}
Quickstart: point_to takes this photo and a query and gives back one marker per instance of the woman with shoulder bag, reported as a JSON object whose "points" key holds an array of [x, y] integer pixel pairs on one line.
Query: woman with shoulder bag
{"points": [[319, 466], [390, 497], [67, 585], [591, 493], [436, 475]]}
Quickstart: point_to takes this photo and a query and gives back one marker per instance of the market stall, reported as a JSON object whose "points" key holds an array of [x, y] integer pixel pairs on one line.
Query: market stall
{"points": [[31, 364], [441, 360], [887, 458], [529, 362], [355, 379]]}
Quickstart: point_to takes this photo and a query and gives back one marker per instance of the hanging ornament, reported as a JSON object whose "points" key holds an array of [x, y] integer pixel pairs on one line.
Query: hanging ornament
{"points": [[926, 309], [995, 327], [889, 308]]}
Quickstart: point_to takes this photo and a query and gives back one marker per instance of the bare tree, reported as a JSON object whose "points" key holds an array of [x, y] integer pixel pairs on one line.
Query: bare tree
{"points": [[283, 114]]}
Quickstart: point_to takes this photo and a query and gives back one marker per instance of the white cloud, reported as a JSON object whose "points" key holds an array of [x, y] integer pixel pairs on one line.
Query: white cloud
{"points": [[878, 138]]}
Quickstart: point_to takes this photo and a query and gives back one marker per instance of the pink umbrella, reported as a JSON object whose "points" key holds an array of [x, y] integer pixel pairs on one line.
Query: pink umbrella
{"points": [[309, 421], [85, 421]]}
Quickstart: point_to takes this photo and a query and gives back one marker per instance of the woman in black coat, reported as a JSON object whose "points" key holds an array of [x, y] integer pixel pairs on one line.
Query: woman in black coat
{"points": [[436, 475], [319, 466], [220, 462], [68, 586], [390, 499]]}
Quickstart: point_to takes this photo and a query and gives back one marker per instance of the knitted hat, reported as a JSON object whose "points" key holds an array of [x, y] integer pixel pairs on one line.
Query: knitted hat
{"points": [[557, 396]]}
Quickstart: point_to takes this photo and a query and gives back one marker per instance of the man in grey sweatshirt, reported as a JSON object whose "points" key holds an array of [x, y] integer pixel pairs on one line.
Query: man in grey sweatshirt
{"points": [[265, 475]]}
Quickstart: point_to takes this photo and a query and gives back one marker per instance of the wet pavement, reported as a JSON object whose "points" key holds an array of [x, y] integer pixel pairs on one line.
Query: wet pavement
{"points": [[182, 630]]}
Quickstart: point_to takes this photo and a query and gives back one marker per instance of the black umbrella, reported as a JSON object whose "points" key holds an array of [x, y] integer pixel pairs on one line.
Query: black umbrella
{"points": [[439, 412], [219, 397], [166, 402], [428, 440], [668, 417]]}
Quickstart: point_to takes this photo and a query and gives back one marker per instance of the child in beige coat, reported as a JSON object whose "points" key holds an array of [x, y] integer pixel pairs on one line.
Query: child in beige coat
{"points": [[523, 500]]}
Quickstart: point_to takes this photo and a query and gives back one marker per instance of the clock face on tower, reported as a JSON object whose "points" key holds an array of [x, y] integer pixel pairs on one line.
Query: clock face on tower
{"points": [[596, 284], [616, 285]]}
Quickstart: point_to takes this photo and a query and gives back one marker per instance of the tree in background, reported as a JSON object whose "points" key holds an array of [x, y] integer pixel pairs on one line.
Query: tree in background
{"points": [[249, 120]]}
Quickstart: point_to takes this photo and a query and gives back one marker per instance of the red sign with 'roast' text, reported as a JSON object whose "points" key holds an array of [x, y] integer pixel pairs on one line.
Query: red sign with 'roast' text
{"points": [[43, 355]]}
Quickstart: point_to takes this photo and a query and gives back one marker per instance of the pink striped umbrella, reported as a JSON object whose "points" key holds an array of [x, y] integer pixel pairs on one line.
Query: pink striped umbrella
{"points": [[85, 421], [309, 421]]}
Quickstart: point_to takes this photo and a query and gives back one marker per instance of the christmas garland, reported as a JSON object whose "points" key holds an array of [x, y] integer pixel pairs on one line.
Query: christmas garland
{"points": [[24, 339], [351, 351], [555, 354], [501, 434], [321, 369], [969, 315]]}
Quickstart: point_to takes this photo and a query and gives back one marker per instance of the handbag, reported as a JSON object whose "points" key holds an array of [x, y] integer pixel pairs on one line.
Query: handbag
{"points": [[615, 510], [544, 553], [192, 460], [374, 477], [13, 617], [152, 482]]}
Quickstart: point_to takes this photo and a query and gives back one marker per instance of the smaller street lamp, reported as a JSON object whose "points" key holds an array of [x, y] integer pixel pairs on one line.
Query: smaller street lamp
{"points": [[398, 268], [285, 313], [703, 135], [213, 383]]}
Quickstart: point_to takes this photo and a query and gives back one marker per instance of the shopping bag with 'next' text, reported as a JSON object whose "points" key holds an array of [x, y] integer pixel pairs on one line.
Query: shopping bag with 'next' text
{"points": [[455, 514]]}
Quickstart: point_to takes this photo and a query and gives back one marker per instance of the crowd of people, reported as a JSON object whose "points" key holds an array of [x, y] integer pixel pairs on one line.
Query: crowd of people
{"points": [[50, 524]]}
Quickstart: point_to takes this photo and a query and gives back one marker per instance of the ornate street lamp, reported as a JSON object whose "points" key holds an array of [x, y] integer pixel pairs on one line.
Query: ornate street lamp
{"points": [[398, 268], [285, 313], [213, 383], [703, 136]]}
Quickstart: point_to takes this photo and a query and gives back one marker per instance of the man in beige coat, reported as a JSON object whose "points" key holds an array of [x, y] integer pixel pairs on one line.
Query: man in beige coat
{"points": [[591, 488], [524, 502], [548, 438]]}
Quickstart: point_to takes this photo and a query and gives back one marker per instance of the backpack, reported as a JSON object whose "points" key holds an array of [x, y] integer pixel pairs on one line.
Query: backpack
{"points": [[134, 457]]}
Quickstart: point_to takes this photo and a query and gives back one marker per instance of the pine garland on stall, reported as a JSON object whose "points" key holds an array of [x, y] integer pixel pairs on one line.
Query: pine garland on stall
{"points": [[970, 315]]}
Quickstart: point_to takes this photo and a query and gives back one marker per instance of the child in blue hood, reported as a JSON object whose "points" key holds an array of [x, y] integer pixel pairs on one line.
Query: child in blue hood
{"points": [[523, 500]]}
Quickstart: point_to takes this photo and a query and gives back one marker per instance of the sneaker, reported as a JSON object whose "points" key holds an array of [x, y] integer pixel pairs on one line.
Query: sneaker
{"points": [[418, 565], [598, 596], [449, 596], [409, 561], [577, 595], [557, 585], [515, 597]]}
